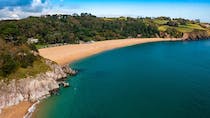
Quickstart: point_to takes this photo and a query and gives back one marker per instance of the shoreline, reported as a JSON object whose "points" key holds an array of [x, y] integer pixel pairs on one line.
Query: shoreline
{"points": [[70, 53]]}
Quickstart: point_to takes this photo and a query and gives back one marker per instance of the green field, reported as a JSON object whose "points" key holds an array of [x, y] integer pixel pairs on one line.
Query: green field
{"points": [[189, 27], [160, 22], [39, 46], [182, 28], [163, 28]]}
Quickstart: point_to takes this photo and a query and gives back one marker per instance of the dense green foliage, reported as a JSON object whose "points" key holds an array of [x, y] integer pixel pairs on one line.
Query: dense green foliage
{"points": [[13, 56], [75, 28], [173, 32], [172, 23], [51, 29]]}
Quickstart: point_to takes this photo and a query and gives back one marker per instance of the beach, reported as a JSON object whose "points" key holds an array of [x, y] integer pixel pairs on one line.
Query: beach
{"points": [[69, 53], [73, 52], [17, 111]]}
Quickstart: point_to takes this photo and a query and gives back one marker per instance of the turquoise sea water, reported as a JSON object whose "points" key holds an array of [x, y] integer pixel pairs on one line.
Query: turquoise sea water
{"points": [[154, 80]]}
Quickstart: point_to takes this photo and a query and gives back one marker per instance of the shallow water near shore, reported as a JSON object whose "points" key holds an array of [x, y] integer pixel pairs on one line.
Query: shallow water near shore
{"points": [[153, 80]]}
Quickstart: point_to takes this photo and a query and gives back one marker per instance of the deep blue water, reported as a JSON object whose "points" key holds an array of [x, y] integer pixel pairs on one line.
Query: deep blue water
{"points": [[153, 80]]}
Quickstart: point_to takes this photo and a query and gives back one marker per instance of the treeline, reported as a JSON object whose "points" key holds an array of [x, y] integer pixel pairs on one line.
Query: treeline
{"points": [[74, 28], [51, 29]]}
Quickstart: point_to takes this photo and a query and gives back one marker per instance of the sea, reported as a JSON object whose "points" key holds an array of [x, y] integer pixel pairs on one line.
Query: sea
{"points": [[151, 80]]}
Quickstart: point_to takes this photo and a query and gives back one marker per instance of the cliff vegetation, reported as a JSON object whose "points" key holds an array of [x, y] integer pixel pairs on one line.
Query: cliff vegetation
{"points": [[19, 60]]}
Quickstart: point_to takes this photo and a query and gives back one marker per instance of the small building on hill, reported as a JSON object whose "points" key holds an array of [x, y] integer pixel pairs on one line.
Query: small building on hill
{"points": [[32, 40], [139, 35]]}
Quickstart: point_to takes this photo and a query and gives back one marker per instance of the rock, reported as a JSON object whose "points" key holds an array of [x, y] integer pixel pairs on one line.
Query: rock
{"points": [[33, 88], [68, 70], [64, 84], [196, 35]]}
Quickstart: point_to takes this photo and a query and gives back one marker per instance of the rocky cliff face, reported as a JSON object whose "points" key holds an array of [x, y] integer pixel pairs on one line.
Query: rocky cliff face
{"points": [[32, 88], [196, 35]]}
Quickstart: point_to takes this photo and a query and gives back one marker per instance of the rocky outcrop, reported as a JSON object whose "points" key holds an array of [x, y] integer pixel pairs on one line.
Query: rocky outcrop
{"points": [[68, 70], [196, 35], [33, 88]]}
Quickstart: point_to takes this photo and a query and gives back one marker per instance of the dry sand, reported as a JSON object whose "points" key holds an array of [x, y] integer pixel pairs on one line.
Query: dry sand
{"points": [[70, 53], [16, 111]]}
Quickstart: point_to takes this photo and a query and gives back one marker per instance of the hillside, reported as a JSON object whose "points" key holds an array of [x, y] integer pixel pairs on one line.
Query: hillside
{"points": [[52, 29]]}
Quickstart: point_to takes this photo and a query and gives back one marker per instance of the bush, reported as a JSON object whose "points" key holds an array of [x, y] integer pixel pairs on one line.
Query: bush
{"points": [[7, 65], [172, 23], [174, 33], [27, 60], [14, 56]]}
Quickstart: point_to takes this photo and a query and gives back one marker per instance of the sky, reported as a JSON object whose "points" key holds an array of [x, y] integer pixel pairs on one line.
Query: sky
{"points": [[191, 9]]}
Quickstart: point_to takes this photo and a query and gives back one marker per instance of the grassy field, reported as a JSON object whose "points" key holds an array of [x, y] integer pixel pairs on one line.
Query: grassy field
{"points": [[182, 28], [39, 46], [163, 28], [189, 27], [160, 22], [39, 66]]}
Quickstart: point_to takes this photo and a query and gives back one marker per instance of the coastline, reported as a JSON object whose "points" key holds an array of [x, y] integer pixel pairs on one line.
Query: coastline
{"points": [[73, 52]]}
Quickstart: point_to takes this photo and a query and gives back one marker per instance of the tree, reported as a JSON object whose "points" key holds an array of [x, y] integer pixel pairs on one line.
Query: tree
{"points": [[172, 23], [7, 64], [174, 33]]}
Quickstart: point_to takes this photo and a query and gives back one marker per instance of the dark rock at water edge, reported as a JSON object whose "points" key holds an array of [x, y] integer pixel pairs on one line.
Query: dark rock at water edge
{"points": [[68, 70]]}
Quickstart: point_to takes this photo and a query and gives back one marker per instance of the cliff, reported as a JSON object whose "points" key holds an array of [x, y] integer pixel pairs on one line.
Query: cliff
{"points": [[33, 88], [196, 35]]}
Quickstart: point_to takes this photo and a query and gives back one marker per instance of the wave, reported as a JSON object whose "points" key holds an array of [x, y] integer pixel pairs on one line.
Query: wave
{"points": [[31, 110]]}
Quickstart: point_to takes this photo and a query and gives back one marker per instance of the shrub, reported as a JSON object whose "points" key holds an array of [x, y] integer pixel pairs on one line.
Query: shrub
{"points": [[172, 23], [7, 65], [174, 33]]}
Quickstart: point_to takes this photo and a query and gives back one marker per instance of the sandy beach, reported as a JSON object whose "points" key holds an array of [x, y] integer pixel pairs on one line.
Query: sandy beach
{"points": [[70, 53], [17, 111]]}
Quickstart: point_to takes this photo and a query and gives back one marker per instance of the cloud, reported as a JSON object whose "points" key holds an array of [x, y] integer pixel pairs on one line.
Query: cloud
{"points": [[35, 6], [16, 13], [25, 5], [16, 9]]}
